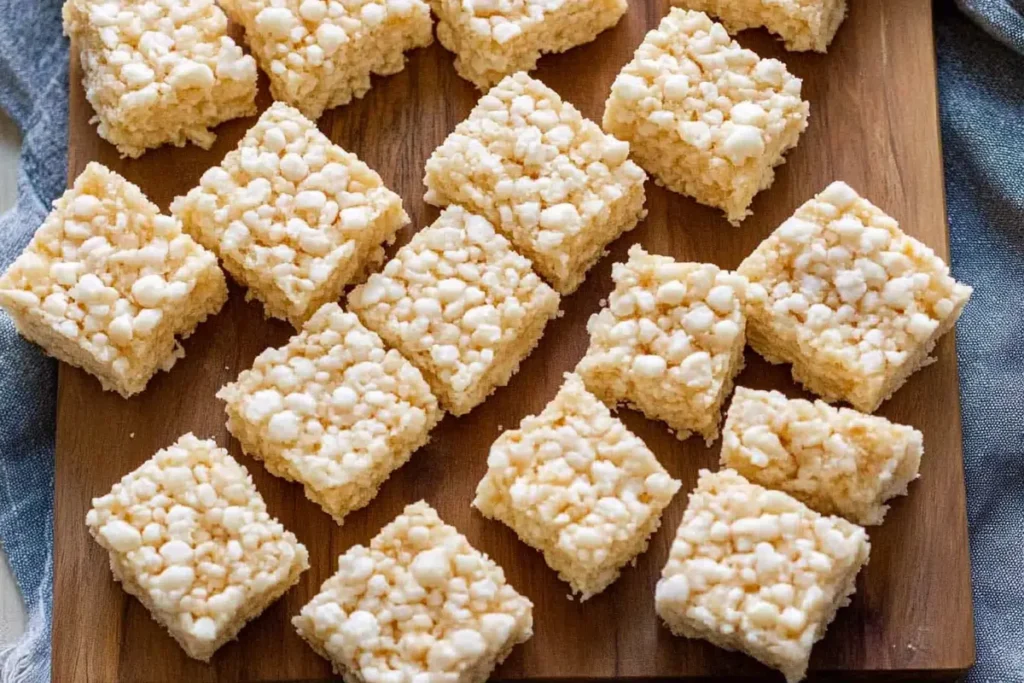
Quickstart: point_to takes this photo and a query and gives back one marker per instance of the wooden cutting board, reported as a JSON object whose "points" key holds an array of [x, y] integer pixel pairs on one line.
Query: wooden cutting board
{"points": [[873, 124]]}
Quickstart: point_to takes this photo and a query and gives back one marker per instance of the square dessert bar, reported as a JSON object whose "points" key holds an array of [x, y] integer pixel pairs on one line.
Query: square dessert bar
{"points": [[757, 571], [460, 304], [320, 54], [551, 181], [292, 216], [108, 282], [420, 604], [851, 301], [576, 484], [802, 24], [837, 461], [333, 409], [160, 72], [190, 537], [705, 117], [669, 343], [494, 38]]}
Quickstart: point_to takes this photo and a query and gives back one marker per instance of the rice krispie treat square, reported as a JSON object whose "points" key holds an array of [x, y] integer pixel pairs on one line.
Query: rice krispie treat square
{"points": [[460, 304], [159, 72], [108, 282], [576, 484], [837, 461], [669, 343], [851, 301], [494, 38], [320, 54], [703, 116], [333, 409], [190, 537], [550, 180], [293, 217], [420, 604], [801, 24], [757, 571]]}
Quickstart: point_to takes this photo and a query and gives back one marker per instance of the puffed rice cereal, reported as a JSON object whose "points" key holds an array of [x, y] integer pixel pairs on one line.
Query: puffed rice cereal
{"points": [[293, 217], [703, 116], [333, 410], [159, 72], [801, 24], [190, 537], [320, 54], [670, 341], [837, 461], [461, 305], [851, 301], [419, 605], [757, 571], [494, 38], [549, 179], [108, 282], [576, 484]]}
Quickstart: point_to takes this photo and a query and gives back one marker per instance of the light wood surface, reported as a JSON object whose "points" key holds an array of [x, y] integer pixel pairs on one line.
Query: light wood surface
{"points": [[873, 124]]}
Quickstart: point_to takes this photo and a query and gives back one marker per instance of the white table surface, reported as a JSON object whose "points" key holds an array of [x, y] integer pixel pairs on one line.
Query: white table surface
{"points": [[12, 613]]}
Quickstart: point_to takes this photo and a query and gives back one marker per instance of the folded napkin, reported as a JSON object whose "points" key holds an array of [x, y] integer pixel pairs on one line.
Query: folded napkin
{"points": [[981, 83]]}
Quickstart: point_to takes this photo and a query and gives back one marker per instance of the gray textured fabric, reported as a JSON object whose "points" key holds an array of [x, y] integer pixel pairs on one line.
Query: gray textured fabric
{"points": [[982, 106], [34, 92], [1002, 19]]}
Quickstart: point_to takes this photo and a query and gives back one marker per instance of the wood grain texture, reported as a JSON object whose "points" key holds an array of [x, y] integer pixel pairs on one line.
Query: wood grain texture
{"points": [[873, 124]]}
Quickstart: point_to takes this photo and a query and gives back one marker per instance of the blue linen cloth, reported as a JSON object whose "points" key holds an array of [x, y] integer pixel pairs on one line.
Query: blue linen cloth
{"points": [[34, 93], [981, 103], [981, 82]]}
